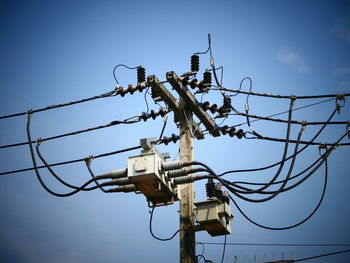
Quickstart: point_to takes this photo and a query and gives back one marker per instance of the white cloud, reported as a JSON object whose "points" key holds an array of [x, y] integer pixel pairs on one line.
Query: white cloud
{"points": [[293, 59], [341, 70], [344, 87]]}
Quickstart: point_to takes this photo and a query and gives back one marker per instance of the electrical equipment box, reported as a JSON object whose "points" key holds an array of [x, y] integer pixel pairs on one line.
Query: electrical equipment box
{"points": [[145, 172], [214, 216]]}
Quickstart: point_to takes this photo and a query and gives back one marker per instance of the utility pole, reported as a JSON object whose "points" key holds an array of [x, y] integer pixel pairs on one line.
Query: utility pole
{"points": [[186, 192]]}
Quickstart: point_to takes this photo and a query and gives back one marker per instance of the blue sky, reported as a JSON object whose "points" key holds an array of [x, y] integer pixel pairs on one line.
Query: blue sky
{"points": [[57, 51]]}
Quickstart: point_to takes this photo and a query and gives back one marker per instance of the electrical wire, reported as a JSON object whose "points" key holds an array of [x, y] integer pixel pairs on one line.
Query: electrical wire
{"points": [[163, 128], [53, 173], [165, 140], [104, 95], [282, 161], [121, 65], [294, 109], [218, 87], [223, 250], [113, 123], [150, 229], [277, 244], [88, 163], [322, 255], [281, 188], [209, 47], [291, 156], [37, 171], [294, 225]]}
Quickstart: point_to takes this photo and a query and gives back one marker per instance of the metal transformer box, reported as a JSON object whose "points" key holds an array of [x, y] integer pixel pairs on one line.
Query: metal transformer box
{"points": [[214, 216], [145, 172]]}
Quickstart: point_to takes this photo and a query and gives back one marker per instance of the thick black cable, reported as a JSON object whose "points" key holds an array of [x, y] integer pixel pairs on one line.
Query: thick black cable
{"points": [[113, 123], [224, 250], [37, 171], [53, 172], [104, 95], [281, 188], [121, 65], [291, 156], [280, 96], [158, 238], [88, 163], [285, 151], [237, 183], [294, 225], [322, 255], [323, 157]]}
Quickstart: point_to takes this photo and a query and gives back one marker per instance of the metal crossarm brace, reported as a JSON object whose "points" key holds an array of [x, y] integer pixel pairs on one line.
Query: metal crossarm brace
{"points": [[170, 100], [192, 103]]}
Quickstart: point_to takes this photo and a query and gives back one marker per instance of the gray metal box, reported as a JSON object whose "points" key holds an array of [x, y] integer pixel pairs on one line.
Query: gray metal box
{"points": [[214, 216], [145, 172]]}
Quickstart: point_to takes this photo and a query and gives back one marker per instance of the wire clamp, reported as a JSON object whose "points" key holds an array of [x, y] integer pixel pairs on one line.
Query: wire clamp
{"points": [[88, 160], [303, 124], [39, 141], [30, 112], [292, 99]]}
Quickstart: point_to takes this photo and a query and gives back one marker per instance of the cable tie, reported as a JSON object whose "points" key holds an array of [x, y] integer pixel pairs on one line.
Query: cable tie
{"points": [[303, 125], [88, 159], [39, 141]]}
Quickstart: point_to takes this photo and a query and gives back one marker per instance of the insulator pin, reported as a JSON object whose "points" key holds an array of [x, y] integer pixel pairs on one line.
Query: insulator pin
{"points": [[194, 63], [141, 74]]}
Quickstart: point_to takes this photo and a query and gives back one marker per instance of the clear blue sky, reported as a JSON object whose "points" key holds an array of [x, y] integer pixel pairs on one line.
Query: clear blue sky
{"points": [[57, 51]]}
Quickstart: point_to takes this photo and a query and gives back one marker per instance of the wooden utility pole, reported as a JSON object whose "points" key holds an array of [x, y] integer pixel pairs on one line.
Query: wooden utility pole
{"points": [[186, 191], [183, 110]]}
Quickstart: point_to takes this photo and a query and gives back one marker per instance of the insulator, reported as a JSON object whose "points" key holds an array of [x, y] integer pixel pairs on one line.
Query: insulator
{"points": [[195, 63], [213, 108], [209, 188], [207, 77], [224, 129], [141, 74], [174, 138], [121, 91], [144, 116], [232, 131], [184, 80], [177, 173], [193, 83], [153, 114], [131, 90], [140, 87], [205, 105], [240, 134], [227, 102], [114, 174]]}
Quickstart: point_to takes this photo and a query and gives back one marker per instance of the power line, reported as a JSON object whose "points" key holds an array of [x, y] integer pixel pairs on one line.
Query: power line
{"points": [[166, 140], [322, 255], [277, 244], [104, 95], [340, 96], [144, 116]]}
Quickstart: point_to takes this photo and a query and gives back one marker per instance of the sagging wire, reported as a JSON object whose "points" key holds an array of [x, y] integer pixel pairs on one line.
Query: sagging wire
{"points": [[125, 66], [151, 231], [55, 106], [88, 161], [291, 156], [29, 115]]}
